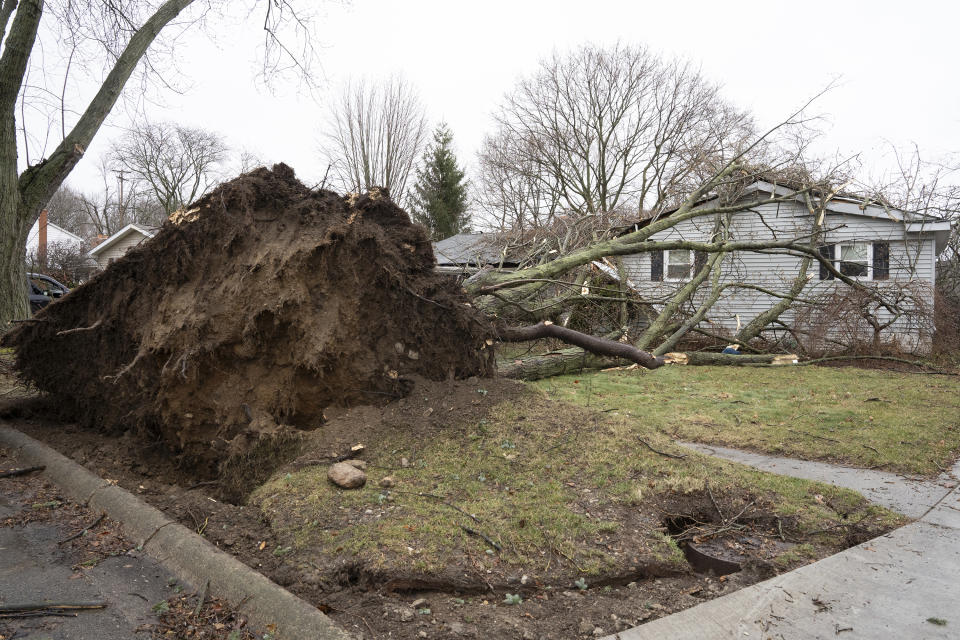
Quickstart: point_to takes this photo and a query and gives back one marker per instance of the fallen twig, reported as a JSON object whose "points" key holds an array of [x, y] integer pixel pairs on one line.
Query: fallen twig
{"points": [[202, 598], [84, 530], [483, 536], [714, 501], [440, 499], [813, 435], [662, 453], [20, 472], [866, 446], [38, 614], [55, 606]]}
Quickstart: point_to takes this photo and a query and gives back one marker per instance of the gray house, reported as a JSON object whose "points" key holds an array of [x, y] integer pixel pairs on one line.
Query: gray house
{"points": [[890, 250]]}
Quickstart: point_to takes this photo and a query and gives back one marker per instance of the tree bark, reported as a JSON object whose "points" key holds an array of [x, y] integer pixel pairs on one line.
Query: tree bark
{"points": [[596, 346]]}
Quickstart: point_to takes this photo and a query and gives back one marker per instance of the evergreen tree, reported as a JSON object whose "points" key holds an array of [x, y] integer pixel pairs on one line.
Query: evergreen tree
{"points": [[439, 198]]}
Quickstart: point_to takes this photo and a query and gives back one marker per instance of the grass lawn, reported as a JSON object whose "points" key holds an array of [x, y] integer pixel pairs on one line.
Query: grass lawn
{"points": [[900, 422], [557, 490]]}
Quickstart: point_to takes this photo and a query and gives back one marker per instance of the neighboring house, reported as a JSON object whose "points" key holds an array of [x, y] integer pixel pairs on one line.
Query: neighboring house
{"points": [[888, 249], [468, 253], [45, 239], [119, 243]]}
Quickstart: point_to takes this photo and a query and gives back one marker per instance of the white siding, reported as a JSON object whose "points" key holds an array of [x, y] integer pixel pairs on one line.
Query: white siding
{"points": [[119, 248], [911, 261]]}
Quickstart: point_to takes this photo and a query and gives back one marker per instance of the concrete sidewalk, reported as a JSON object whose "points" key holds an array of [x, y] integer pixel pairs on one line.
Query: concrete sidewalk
{"points": [[889, 587]]}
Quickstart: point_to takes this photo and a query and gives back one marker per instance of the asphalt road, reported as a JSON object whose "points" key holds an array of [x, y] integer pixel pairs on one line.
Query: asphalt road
{"points": [[34, 568]]}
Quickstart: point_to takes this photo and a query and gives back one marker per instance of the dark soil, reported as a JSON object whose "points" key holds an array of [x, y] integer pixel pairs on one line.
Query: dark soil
{"points": [[233, 330], [381, 606]]}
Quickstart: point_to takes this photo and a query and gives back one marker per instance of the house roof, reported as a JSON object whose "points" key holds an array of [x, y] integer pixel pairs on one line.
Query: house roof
{"points": [[127, 230], [914, 222], [467, 250], [35, 230]]}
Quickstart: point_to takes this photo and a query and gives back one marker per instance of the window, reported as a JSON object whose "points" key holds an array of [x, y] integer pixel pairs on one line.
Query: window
{"points": [[678, 263], [854, 259], [860, 260]]}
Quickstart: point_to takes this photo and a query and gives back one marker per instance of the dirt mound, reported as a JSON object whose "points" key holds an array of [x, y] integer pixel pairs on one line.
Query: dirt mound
{"points": [[237, 325]]}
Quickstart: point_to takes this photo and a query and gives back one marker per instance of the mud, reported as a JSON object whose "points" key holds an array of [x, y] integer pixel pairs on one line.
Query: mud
{"points": [[229, 333]]}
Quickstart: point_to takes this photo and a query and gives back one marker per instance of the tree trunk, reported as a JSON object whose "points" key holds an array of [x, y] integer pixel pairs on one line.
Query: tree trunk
{"points": [[555, 364], [577, 360], [13, 293]]}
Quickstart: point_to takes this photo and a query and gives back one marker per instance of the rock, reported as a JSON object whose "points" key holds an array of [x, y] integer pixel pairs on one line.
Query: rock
{"points": [[524, 579], [406, 614], [387, 482], [528, 635], [598, 632], [419, 603], [357, 464], [404, 463], [346, 476], [421, 634], [585, 627]]}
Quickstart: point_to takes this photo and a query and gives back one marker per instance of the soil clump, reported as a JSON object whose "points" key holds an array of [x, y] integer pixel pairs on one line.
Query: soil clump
{"points": [[231, 331]]}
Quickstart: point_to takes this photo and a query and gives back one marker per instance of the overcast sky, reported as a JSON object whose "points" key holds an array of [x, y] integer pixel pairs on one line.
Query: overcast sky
{"points": [[894, 63]]}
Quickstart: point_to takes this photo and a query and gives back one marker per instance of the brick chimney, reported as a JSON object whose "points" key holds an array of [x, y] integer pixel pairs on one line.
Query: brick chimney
{"points": [[42, 240]]}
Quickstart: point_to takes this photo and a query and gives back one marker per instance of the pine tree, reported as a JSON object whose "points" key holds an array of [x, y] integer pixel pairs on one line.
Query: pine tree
{"points": [[439, 197]]}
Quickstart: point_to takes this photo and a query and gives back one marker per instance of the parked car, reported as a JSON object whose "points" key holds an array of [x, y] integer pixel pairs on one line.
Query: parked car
{"points": [[42, 290]]}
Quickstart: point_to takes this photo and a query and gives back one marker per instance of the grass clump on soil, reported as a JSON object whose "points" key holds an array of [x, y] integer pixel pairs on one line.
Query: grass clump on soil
{"points": [[879, 419], [547, 489]]}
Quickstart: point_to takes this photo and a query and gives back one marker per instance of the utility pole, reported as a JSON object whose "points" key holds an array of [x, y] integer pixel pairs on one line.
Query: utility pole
{"points": [[121, 205]]}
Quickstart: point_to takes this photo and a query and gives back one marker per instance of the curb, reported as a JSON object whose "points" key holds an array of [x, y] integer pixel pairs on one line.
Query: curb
{"points": [[187, 555]]}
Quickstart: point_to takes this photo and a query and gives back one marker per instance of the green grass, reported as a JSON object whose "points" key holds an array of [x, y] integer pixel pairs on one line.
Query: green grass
{"points": [[896, 421], [560, 488]]}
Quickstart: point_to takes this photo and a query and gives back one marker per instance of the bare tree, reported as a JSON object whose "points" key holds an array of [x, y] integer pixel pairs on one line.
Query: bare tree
{"points": [[111, 40], [178, 164], [375, 135], [602, 129]]}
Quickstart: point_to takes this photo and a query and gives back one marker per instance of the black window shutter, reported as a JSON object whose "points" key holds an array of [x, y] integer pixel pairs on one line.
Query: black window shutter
{"points": [[881, 260], [826, 251], [656, 266], [699, 260]]}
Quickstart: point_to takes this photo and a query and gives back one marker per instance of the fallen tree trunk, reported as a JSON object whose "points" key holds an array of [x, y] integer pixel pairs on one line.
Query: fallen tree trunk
{"points": [[597, 353], [702, 358], [593, 344], [556, 363]]}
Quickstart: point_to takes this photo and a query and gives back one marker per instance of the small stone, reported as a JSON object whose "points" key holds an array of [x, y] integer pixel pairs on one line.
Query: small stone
{"points": [[528, 635], [631, 585], [346, 476], [357, 464], [524, 579], [421, 634], [657, 606], [406, 614], [419, 603], [387, 482], [585, 627], [598, 632], [404, 463], [570, 594]]}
